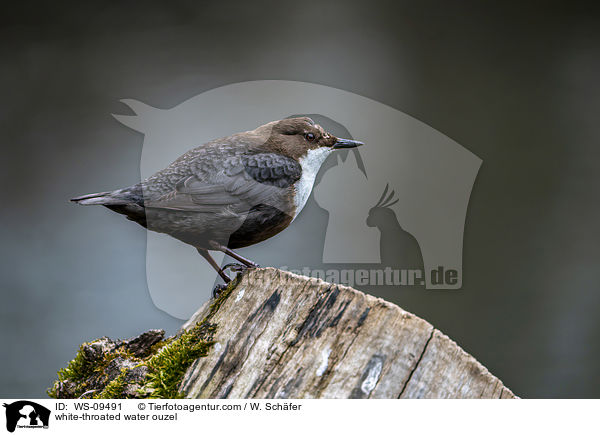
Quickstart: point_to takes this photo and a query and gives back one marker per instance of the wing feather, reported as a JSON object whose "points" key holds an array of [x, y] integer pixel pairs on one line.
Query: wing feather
{"points": [[244, 183]]}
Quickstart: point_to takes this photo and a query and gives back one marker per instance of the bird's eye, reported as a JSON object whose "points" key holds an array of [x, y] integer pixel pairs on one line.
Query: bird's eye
{"points": [[309, 137]]}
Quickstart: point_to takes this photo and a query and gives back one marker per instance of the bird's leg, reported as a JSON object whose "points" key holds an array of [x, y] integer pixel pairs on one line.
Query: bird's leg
{"points": [[219, 287], [214, 264], [238, 257]]}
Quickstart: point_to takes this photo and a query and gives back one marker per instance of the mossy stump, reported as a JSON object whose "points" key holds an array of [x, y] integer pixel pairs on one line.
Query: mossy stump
{"points": [[146, 366], [273, 334]]}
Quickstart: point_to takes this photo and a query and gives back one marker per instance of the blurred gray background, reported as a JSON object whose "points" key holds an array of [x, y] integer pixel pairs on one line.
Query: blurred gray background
{"points": [[515, 83]]}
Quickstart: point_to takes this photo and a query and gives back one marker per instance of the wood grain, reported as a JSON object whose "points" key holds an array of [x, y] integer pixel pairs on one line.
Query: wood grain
{"points": [[282, 335]]}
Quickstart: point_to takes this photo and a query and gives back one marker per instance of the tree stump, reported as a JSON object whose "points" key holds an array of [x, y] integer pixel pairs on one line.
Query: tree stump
{"points": [[280, 335]]}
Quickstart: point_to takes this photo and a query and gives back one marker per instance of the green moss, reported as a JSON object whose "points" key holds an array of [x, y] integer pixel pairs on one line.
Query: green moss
{"points": [[167, 367], [167, 363], [221, 299], [77, 369], [114, 389], [86, 375]]}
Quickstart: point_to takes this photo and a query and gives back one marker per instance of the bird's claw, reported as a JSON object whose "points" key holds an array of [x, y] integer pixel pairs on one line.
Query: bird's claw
{"points": [[238, 267], [218, 290]]}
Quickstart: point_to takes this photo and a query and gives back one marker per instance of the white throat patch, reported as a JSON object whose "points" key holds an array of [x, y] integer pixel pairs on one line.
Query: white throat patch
{"points": [[311, 163]]}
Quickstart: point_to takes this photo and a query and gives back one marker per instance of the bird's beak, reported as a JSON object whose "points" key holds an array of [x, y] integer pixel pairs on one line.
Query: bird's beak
{"points": [[346, 143]]}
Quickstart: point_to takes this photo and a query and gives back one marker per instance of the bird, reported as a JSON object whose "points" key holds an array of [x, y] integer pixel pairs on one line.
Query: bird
{"points": [[231, 192]]}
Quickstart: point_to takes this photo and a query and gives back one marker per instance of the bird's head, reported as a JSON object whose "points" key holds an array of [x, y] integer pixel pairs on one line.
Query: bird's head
{"points": [[299, 137]]}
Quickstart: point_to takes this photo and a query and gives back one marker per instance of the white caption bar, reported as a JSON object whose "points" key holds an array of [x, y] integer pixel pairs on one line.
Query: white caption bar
{"points": [[296, 416]]}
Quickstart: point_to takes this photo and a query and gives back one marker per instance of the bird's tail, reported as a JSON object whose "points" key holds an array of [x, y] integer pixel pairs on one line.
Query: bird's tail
{"points": [[101, 198]]}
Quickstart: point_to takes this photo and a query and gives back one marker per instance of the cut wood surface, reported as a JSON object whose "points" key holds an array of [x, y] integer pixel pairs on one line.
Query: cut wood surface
{"points": [[280, 335]]}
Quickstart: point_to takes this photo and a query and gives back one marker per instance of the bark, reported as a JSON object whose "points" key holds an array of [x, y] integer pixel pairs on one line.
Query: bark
{"points": [[280, 335]]}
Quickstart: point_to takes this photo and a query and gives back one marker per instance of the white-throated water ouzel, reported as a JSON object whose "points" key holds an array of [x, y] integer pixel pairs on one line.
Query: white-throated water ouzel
{"points": [[231, 192]]}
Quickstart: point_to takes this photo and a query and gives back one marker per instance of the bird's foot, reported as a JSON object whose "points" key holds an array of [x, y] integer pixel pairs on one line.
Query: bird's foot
{"points": [[253, 265], [238, 267], [218, 290]]}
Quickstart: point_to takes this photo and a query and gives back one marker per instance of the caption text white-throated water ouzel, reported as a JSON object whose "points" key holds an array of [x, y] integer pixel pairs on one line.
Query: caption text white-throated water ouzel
{"points": [[231, 192]]}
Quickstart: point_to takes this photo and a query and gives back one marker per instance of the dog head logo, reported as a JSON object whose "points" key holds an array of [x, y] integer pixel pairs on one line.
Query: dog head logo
{"points": [[422, 179], [26, 414]]}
